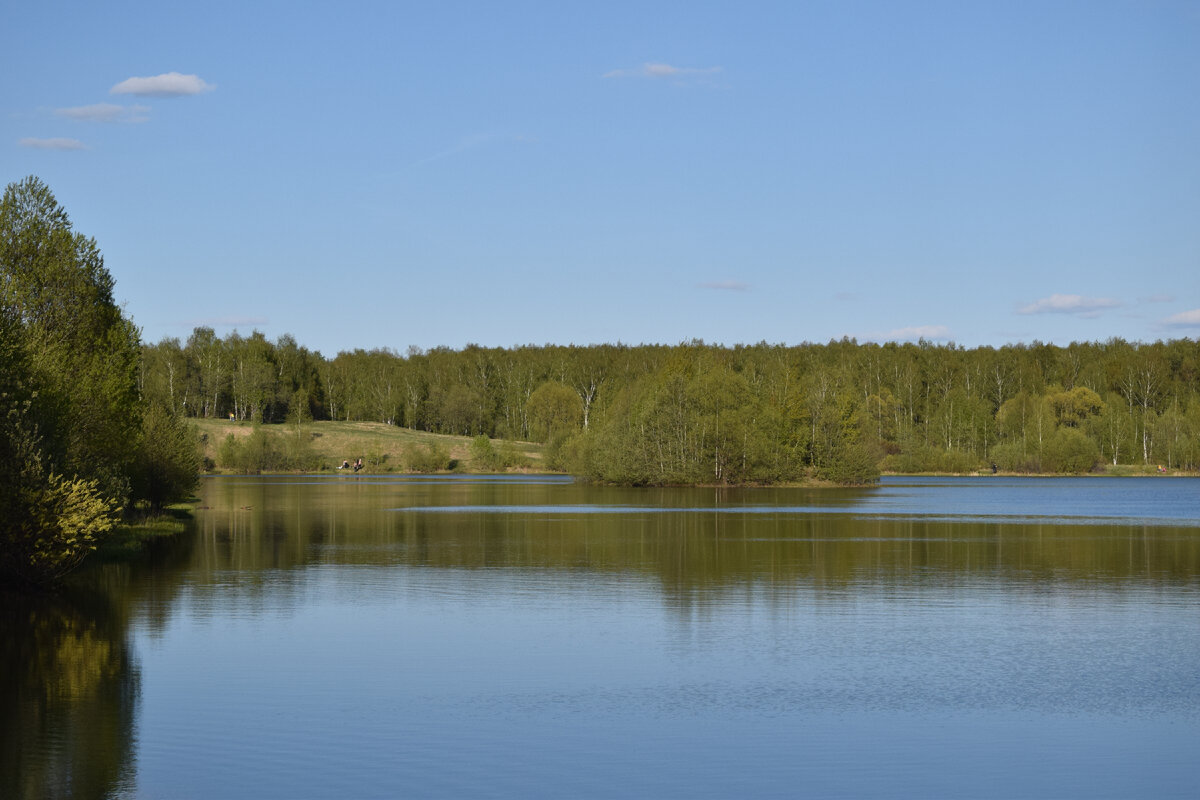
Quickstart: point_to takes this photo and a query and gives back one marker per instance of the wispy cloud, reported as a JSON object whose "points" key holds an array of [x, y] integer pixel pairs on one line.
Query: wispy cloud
{"points": [[169, 84], [472, 142], [656, 70], [1158, 298], [105, 112], [1069, 304], [915, 332], [726, 286], [1184, 319], [57, 143], [846, 297]]}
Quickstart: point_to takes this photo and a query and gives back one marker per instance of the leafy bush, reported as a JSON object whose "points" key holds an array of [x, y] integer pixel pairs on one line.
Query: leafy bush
{"points": [[510, 456], [1069, 450], [429, 458], [855, 464], [484, 455], [168, 459], [253, 454], [1008, 457], [916, 457], [487, 456], [48, 522]]}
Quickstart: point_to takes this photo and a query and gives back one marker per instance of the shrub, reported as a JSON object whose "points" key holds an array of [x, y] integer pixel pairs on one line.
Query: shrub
{"points": [[429, 458], [484, 456], [168, 459], [510, 456], [253, 454], [855, 464], [1008, 457], [1069, 450]]}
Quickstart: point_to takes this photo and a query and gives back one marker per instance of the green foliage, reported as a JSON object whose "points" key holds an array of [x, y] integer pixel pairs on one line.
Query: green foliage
{"points": [[695, 413], [510, 456], [1069, 450], [853, 464], [1011, 457], [254, 454], [483, 455], [1073, 407], [376, 459], [428, 458], [168, 460], [82, 354], [698, 421], [553, 409], [556, 456], [50, 523], [264, 451], [916, 456], [71, 416]]}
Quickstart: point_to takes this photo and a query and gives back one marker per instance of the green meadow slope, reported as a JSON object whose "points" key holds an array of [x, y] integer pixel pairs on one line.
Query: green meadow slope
{"points": [[383, 448]]}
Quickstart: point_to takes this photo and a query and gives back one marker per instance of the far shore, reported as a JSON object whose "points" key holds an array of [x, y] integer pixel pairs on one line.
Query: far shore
{"points": [[385, 449]]}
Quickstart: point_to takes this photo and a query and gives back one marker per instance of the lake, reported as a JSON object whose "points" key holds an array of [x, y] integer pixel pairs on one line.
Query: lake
{"points": [[518, 636]]}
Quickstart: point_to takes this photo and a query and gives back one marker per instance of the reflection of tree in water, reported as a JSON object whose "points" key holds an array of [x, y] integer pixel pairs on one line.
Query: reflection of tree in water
{"points": [[68, 697], [696, 544]]}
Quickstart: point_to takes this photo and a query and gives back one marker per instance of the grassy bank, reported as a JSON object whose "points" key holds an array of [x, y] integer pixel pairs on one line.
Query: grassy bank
{"points": [[131, 537], [383, 448]]}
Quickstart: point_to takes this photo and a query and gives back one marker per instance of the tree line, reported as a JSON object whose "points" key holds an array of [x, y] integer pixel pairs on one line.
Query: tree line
{"points": [[702, 413], [80, 445], [91, 419]]}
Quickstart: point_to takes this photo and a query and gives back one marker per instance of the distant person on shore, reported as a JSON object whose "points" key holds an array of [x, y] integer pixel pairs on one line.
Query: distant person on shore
{"points": [[345, 464], [358, 464]]}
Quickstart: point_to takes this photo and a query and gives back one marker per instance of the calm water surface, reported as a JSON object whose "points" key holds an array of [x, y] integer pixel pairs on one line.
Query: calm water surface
{"points": [[529, 637]]}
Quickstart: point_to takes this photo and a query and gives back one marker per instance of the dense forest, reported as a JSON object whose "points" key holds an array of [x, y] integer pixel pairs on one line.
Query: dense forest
{"points": [[694, 412]]}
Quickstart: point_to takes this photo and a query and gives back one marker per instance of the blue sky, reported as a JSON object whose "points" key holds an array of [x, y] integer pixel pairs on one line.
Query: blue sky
{"points": [[390, 174]]}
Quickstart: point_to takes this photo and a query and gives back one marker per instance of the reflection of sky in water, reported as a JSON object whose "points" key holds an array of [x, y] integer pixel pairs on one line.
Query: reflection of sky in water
{"points": [[786, 511], [542, 638], [1093, 501]]}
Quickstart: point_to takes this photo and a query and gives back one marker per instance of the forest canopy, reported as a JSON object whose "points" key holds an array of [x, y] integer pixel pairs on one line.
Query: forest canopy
{"points": [[701, 413]]}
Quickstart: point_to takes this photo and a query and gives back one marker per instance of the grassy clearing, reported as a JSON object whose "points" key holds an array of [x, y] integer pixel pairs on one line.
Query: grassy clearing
{"points": [[383, 448]]}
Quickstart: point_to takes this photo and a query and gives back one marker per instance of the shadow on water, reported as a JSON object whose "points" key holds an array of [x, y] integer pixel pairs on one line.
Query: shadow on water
{"points": [[70, 681], [68, 696]]}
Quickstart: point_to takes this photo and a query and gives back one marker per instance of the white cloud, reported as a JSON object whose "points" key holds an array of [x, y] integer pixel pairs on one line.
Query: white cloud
{"points": [[728, 286], [1069, 304], [1184, 319], [653, 70], [105, 112], [910, 334], [169, 84], [1158, 298], [58, 143]]}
